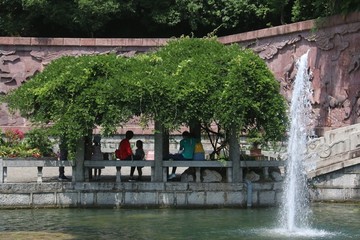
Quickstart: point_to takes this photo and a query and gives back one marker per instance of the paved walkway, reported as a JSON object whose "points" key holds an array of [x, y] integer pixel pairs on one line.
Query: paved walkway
{"points": [[50, 174]]}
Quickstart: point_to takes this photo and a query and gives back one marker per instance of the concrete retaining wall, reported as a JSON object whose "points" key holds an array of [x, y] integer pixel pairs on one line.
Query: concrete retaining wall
{"points": [[117, 195]]}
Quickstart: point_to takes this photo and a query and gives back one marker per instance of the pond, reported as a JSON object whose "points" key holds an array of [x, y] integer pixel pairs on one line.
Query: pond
{"points": [[329, 221]]}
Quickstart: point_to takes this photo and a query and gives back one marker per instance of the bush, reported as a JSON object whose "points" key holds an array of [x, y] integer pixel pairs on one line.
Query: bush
{"points": [[40, 139], [35, 144]]}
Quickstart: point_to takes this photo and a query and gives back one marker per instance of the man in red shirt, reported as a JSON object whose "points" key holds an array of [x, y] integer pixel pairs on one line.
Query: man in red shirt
{"points": [[125, 151]]}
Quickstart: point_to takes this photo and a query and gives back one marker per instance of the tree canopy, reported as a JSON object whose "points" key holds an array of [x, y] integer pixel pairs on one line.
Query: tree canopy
{"points": [[189, 79], [160, 18]]}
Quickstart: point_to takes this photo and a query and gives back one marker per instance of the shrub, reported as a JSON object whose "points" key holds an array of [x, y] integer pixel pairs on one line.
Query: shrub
{"points": [[40, 139], [35, 144]]}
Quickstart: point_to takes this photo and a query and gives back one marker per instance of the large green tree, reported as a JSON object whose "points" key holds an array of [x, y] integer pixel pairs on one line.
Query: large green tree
{"points": [[72, 96], [209, 82], [187, 80]]}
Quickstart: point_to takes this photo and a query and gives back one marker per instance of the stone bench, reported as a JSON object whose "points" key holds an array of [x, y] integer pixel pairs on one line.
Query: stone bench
{"points": [[118, 164], [29, 162]]}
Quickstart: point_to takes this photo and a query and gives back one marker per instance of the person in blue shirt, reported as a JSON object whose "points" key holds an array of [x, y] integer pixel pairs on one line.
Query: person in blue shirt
{"points": [[186, 151]]}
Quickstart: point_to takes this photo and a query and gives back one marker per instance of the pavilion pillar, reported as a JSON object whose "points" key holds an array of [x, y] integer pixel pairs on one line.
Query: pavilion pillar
{"points": [[159, 139], [78, 174], [195, 129], [234, 154]]}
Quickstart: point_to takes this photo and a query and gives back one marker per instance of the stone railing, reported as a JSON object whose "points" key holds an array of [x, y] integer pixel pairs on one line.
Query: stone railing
{"points": [[338, 149], [264, 164], [41, 163], [118, 164], [30, 162]]}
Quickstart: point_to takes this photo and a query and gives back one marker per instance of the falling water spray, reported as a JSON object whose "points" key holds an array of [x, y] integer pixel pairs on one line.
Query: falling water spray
{"points": [[295, 208]]}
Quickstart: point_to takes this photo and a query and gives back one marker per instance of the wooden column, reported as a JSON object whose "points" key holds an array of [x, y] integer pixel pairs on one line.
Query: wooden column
{"points": [[234, 154], [195, 129]]}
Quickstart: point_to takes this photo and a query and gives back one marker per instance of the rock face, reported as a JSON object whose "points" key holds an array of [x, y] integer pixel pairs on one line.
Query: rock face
{"points": [[207, 176], [188, 175], [334, 62], [252, 176], [276, 176], [210, 176]]}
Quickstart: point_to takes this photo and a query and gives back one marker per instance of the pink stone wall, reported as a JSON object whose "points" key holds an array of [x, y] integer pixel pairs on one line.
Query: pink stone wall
{"points": [[334, 62]]}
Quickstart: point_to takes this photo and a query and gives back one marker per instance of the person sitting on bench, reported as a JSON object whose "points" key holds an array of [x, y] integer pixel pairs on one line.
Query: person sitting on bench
{"points": [[186, 151]]}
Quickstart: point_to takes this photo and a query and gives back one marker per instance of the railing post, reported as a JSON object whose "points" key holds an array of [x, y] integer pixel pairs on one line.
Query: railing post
{"points": [[198, 174], [266, 172], [39, 174], [1, 170], [118, 174], [5, 174], [229, 174], [86, 174]]}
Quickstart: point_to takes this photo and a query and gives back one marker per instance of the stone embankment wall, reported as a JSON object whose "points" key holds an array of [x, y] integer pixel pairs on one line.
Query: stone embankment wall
{"points": [[333, 165], [137, 194], [341, 186], [334, 63]]}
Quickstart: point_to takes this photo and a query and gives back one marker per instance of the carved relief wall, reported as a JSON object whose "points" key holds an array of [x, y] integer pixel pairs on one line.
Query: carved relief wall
{"points": [[334, 63]]}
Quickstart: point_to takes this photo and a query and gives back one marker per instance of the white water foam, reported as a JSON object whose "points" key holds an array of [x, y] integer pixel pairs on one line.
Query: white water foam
{"points": [[299, 233]]}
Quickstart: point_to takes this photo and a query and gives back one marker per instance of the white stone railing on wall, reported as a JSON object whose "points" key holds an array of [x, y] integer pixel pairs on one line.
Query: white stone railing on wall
{"points": [[338, 148], [5, 163]]}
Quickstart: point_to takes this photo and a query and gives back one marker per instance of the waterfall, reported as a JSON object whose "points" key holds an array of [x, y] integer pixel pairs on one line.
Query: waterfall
{"points": [[295, 209]]}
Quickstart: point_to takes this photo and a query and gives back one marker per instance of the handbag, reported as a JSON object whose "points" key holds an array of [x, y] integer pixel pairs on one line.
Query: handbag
{"points": [[117, 153]]}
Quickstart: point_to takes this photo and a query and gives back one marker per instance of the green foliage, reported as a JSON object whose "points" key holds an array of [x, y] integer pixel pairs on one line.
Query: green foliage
{"points": [[58, 18], [74, 95], [202, 80], [191, 72], [308, 9], [160, 18], [39, 138], [251, 93], [188, 80], [33, 145]]}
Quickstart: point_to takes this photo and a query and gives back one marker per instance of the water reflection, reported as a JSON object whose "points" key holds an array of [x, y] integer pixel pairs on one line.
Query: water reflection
{"points": [[333, 221]]}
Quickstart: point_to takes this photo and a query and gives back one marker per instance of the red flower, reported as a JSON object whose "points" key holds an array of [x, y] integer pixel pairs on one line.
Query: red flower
{"points": [[14, 135]]}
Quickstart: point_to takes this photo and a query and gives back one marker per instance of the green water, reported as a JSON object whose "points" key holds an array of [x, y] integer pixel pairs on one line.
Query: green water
{"points": [[330, 221]]}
